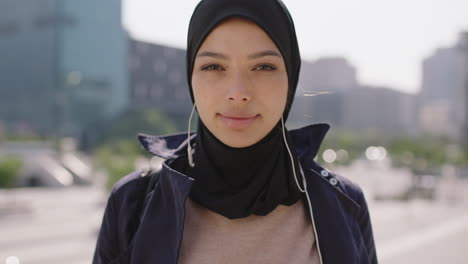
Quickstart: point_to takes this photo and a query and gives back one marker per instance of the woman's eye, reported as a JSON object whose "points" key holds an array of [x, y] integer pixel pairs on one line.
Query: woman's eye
{"points": [[212, 67], [265, 67]]}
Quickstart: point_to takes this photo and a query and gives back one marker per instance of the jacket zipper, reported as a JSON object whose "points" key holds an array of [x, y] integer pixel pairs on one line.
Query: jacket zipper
{"points": [[311, 215]]}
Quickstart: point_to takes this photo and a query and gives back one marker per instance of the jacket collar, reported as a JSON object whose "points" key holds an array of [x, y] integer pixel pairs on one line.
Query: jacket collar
{"points": [[333, 211], [305, 141]]}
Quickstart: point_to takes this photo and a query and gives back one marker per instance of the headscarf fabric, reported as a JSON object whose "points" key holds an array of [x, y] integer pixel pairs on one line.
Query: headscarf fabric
{"points": [[271, 15], [238, 182]]}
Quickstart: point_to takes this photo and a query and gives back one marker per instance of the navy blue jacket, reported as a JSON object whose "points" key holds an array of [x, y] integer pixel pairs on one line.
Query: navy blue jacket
{"points": [[340, 212]]}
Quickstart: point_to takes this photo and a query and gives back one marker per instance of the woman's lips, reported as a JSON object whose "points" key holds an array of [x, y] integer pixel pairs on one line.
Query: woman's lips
{"points": [[238, 122]]}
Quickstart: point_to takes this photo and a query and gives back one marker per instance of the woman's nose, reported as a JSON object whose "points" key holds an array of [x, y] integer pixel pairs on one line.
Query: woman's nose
{"points": [[239, 89]]}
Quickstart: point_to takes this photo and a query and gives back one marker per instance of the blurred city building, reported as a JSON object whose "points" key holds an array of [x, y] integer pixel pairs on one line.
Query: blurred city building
{"points": [[330, 74], [68, 68], [329, 91], [158, 80], [442, 98], [320, 91], [63, 66], [379, 110]]}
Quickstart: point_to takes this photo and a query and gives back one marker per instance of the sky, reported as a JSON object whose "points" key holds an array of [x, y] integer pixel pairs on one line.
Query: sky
{"points": [[386, 40]]}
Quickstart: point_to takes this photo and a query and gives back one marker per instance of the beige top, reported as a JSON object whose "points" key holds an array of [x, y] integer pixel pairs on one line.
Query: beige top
{"points": [[283, 236]]}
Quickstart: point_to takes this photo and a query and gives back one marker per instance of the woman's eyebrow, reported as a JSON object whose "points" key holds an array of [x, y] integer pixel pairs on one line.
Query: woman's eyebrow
{"points": [[263, 54], [212, 54], [250, 57]]}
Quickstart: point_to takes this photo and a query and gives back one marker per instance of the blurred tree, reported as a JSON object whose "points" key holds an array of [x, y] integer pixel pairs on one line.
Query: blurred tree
{"points": [[126, 126], [119, 148], [10, 167], [426, 152], [132, 122], [118, 159], [419, 153]]}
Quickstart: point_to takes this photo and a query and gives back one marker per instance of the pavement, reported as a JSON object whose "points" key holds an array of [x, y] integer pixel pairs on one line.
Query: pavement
{"points": [[57, 225], [420, 232], [60, 225]]}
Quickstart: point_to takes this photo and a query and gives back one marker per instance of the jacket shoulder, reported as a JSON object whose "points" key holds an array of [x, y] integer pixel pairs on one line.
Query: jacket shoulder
{"points": [[350, 187], [130, 186], [128, 196], [119, 220], [354, 191], [340, 183], [129, 183]]}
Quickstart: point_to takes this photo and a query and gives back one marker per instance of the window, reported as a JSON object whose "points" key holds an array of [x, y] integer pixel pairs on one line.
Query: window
{"points": [[8, 29], [141, 91], [160, 66], [175, 78], [156, 91], [49, 21]]}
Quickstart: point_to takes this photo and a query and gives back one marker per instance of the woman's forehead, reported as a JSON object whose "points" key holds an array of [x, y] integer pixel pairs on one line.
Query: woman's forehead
{"points": [[238, 25], [239, 33], [237, 19]]}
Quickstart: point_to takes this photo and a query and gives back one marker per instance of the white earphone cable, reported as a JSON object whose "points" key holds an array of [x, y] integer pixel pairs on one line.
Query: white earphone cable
{"points": [[292, 160], [302, 190], [189, 146]]}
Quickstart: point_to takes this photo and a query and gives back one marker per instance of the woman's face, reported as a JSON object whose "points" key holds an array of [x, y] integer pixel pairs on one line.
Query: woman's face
{"points": [[239, 82]]}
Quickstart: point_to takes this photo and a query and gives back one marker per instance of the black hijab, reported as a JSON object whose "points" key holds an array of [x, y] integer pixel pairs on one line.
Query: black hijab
{"points": [[271, 15], [238, 182]]}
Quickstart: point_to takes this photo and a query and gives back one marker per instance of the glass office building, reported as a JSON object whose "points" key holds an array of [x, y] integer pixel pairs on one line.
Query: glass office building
{"points": [[63, 65]]}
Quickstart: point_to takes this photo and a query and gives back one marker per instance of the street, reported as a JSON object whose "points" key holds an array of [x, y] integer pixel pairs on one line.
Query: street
{"points": [[60, 226]]}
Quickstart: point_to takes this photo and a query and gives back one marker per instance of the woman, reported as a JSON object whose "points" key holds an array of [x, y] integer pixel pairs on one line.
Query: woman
{"points": [[242, 189]]}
